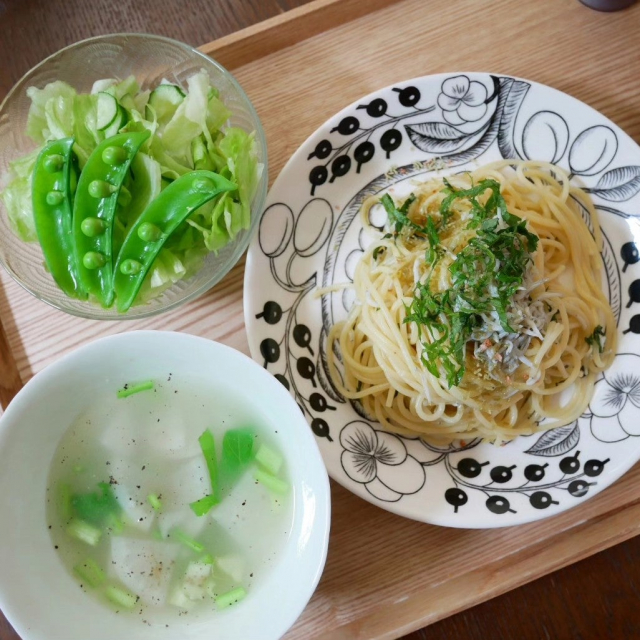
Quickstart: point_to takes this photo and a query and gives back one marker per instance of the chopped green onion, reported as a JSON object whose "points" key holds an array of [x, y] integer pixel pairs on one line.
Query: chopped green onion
{"points": [[269, 459], [84, 532], [154, 501], [187, 541], [121, 597], [136, 388], [208, 446], [271, 482], [207, 558], [231, 597], [157, 534], [90, 572], [204, 505], [114, 524]]}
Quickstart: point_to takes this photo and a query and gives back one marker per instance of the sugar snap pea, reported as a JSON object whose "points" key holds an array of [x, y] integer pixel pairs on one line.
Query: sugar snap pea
{"points": [[99, 191], [158, 221], [54, 179]]}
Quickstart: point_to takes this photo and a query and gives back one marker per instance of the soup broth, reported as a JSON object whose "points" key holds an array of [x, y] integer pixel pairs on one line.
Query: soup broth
{"points": [[127, 480]]}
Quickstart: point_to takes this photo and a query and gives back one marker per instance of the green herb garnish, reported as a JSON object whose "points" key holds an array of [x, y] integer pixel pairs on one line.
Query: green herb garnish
{"points": [[485, 274], [596, 339], [398, 216]]}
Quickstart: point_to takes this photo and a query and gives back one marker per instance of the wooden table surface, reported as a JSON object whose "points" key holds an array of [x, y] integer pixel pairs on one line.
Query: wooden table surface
{"points": [[595, 598]]}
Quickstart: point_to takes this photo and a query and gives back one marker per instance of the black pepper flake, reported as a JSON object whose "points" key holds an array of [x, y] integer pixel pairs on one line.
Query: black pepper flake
{"points": [[144, 466], [56, 546]]}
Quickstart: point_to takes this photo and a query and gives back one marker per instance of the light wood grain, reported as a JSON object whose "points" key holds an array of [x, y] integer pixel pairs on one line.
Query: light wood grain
{"points": [[386, 576], [10, 382], [285, 30]]}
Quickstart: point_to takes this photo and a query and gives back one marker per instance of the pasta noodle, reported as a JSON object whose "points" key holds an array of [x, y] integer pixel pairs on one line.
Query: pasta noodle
{"points": [[525, 367]]}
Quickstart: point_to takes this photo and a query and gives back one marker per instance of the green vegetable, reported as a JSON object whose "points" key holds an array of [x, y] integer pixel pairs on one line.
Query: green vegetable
{"points": [[231, 597], [84, 532], [106, 110], [204, 505], [195, 115], [154, 501], [206, 559], [96, 199], [114, 524], [52, 210], [186, 132], [237, 449], [51, 113], [398, 216], [237, 148], [120, 90], [187, 541], [208, 446], [597, 338], [96, 508], [17, 197], [117, 124], [276, 485], [449, 317], [121, 597], [130, 390], [165, 100], [90, 572], [269, 459], [153, 228]]}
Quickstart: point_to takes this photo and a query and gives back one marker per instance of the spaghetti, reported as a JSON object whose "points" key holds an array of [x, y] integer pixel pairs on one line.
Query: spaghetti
{"points": [[480, 313]]}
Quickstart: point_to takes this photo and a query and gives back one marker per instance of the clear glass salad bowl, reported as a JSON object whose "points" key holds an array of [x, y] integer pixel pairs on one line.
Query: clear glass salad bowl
{"points": [[151, 59]]}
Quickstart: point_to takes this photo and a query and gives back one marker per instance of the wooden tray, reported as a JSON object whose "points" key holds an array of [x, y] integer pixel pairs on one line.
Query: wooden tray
{"points": [[387, 576]]}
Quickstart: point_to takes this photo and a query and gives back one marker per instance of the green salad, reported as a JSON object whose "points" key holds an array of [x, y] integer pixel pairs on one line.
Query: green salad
{"points": [[130, 189]]}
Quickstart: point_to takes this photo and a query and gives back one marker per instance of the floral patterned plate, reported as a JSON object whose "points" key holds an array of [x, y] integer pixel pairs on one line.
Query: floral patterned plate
{"points": [[310, 235]]}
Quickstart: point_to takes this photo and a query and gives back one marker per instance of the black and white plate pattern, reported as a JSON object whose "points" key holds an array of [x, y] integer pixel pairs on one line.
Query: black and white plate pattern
{"points": [[310, 236]]}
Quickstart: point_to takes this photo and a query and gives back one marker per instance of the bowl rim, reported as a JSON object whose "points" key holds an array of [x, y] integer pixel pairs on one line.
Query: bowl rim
{"points": [[322, 521], [259, 197]]}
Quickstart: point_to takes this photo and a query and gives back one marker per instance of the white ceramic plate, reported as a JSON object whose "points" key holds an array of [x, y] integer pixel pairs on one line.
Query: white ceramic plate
{"points": [[311, 235]]}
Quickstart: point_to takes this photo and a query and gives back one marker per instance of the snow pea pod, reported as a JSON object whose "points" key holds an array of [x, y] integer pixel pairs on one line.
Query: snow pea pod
{"points": [[99, 191], [158, 221], [54, 179]]}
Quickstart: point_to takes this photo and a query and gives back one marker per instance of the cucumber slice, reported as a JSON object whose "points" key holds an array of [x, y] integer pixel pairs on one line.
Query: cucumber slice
{"points": [[165, 99], [117, 123], [107, 110]]}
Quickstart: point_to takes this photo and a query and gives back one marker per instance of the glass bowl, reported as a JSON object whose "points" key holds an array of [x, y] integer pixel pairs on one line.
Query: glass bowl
{"points": [[150, 59]]}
